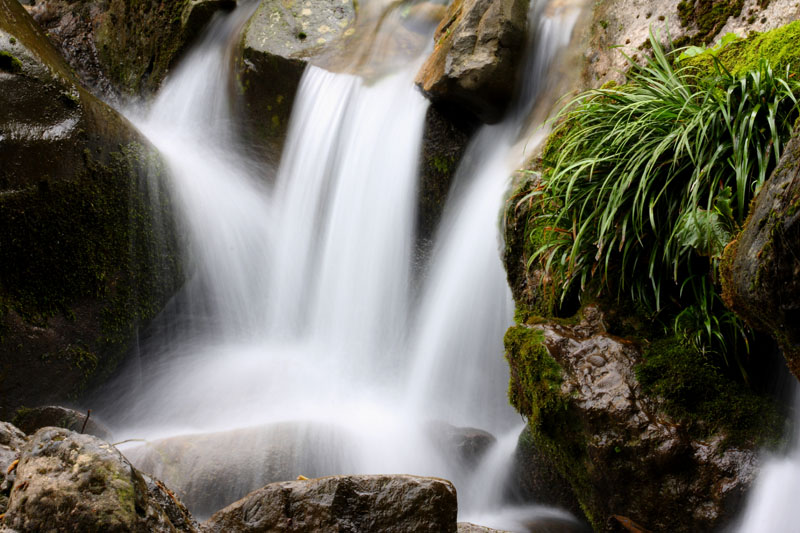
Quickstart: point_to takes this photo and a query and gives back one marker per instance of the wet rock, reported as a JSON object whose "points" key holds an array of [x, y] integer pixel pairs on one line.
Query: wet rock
{"points": [[29, 420], [465, 446], [478, 46], [344, 503], [117, 48], [139, 42], [534, 478], [278, 42], [89, 249], [618, 449], [444, 142], [212, 470], [71, 482], [71, 25], [761, 268]]}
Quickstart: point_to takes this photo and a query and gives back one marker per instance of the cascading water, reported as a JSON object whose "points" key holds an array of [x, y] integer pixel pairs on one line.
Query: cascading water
{"points": [[306, 351]]}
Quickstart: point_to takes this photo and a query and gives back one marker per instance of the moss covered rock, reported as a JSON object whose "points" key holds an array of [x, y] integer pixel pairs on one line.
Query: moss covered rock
{"points": [[632, 446], [89, 248], [71, 482], [761, 268]]}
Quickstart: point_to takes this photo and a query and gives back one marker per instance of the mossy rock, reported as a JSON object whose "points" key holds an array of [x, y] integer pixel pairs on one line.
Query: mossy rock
{"points": [[781, 47], [89, 244], [638, 433]]}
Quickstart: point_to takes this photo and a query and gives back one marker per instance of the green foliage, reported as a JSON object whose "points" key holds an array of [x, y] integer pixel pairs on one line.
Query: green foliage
{"points": [[697, 394], [647, 182]]}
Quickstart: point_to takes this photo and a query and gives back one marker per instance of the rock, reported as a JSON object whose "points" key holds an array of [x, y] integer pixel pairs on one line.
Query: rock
{"points": [[761, 268], [11, 440], [71, 26], [280, 39], [535, 478], [444, 142], [617, 447], [465, 446], [466, 527], [89, 247], [118, 48], [343, 503], [71, 482], [478, 46], [28, 420], [209, 471], [620, 27]]}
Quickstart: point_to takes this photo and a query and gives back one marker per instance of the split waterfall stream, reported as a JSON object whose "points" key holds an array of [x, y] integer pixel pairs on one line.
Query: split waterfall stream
{"points": [[308, 338]]}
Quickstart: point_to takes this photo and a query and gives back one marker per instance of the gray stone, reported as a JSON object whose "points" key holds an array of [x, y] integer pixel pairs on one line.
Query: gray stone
{"points": [[479, 45], [71, 482], [28, 420], [280, 39], [343, 503]]}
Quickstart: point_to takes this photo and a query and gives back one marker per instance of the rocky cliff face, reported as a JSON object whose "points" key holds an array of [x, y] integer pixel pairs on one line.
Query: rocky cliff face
{"points": [[89, 253]]}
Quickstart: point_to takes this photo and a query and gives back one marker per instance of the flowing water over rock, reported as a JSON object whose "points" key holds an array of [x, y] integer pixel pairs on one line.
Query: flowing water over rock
{"points": [[299, 345]]}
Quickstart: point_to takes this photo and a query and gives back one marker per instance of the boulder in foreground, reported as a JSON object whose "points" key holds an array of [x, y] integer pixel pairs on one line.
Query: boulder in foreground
{"points": [[397, 503]]}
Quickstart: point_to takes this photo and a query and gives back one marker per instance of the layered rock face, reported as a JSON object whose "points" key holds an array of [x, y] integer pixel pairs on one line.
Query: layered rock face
{"points": [[479, 45], [89, 250]]}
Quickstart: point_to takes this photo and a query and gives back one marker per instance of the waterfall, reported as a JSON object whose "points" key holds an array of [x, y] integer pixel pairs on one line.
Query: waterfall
{"points": [[300, 337]]}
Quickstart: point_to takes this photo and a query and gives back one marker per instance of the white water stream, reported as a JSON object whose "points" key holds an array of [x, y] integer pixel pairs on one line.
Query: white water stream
{"points": [[299, 316]]}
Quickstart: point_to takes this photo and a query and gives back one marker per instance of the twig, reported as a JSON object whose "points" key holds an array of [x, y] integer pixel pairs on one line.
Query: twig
{"points": [[86, 420]]}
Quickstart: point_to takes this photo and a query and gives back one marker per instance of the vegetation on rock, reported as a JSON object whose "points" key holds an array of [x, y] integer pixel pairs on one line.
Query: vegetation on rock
{"points": [[643, 185]]}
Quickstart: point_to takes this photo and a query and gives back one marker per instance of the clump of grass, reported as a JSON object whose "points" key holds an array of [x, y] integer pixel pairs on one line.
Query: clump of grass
{"points": [[652, 179]]}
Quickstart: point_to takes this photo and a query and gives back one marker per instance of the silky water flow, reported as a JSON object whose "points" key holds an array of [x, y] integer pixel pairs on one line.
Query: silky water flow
{"points": [[301, 343]]}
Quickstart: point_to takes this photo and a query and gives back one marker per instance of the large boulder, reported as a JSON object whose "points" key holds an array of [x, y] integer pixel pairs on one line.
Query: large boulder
{"points": [[71, 482], [629, 454], [88, 242], [120, 47], [478, 47], [761, 268], [344, 503], [280, 39]]}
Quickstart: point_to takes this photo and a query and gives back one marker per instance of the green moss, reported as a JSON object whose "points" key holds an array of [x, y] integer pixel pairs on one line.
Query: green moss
{"points": [[9, 63], [707, 402], [103, 237], [709, 16], [780, 46], [535, 391]]}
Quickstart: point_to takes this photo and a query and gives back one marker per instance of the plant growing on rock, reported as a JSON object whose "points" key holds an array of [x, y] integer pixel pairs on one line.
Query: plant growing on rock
{"points": [[643, 185]]}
